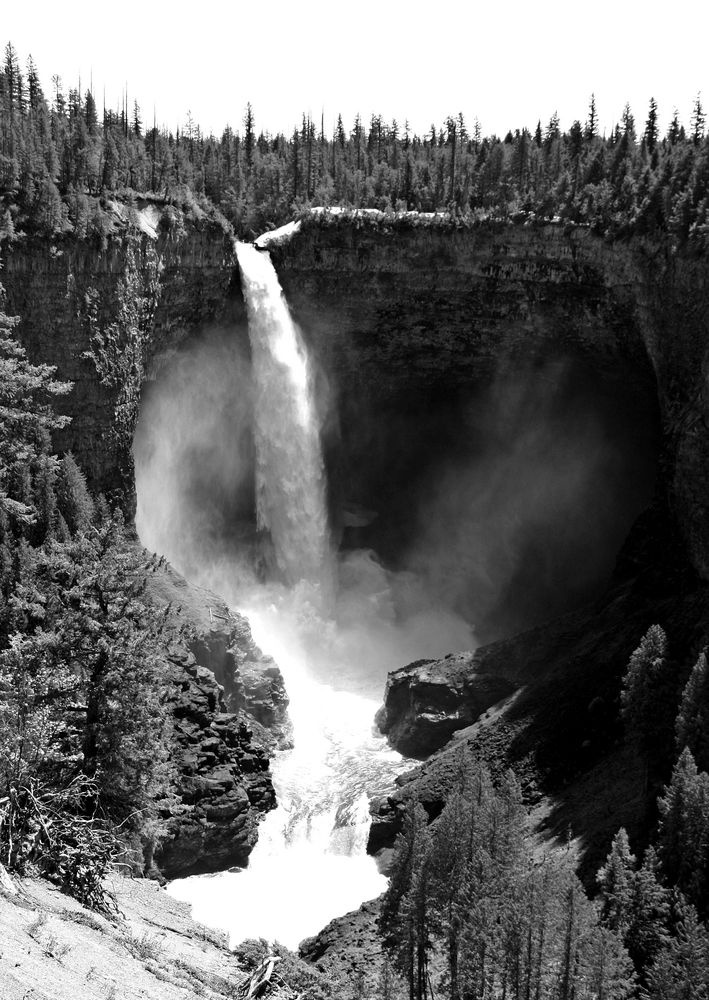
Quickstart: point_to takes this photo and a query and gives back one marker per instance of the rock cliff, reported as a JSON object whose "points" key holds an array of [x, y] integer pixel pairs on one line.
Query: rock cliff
{"points": [[402, 311], [102, 313]]}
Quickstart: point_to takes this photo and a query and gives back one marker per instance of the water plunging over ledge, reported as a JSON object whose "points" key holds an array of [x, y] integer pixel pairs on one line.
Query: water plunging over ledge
{"points": [[332, 624], [290, 475]]}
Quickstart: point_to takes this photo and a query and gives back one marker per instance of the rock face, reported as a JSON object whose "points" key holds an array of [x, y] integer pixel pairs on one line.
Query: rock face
{"points": [[223, 781], [397, 314], [392, 314], [142, 295], [230, 712], [427, 701]]}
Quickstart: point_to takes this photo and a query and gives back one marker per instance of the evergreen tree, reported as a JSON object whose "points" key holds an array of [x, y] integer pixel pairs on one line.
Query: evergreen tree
{"points": [[693, 716], [681, 970], [651, 133], [683, 834], [647, 698], [616, 879], [697, 121]]}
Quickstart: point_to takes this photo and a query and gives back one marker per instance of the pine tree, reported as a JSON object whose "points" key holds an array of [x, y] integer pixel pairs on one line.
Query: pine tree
{"points": [[683, 833], [616, 879], [651, 133], [697, 121], [681, 970], [73, 498], [404, 919], [693, 717], [647, 931], [647, 698], [27, 392], [591, 130]]}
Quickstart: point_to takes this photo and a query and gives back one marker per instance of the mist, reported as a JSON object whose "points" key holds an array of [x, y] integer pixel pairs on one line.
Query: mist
{"points": [[525, 521], [194, 459], [195, 468]]}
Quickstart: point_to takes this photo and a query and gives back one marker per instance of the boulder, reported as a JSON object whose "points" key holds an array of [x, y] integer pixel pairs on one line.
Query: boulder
{"points": [[427, 701]]}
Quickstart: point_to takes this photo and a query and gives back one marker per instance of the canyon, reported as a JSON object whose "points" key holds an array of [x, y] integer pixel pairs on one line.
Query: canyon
{"points": [[416, 328]]}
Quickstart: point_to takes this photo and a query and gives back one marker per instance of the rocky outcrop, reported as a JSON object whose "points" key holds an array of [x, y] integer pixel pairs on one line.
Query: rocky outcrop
{"points": [[427, 701], [229, 709], [223, 783], [349, 950]]}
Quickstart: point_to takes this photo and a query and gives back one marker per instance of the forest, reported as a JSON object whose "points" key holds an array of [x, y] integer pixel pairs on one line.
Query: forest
{"points": [[474, 910], [62, 156]]}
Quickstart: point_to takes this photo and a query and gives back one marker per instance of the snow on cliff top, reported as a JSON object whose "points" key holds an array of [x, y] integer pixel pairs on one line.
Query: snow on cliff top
{"points": [[277, 236], [146, 219]]}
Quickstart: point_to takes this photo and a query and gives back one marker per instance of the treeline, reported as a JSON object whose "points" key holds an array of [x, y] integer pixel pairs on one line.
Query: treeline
{"points": [[60, 158], [85, 737], [474, 911]]}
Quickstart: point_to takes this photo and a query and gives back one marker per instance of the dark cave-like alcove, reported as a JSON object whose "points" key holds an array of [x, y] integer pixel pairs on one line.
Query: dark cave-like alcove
{"points": [[510, 498]]}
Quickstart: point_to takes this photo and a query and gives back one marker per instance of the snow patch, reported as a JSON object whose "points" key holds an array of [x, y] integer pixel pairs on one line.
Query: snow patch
{"points": [[374, 213], [148, 220], [276, 237]]}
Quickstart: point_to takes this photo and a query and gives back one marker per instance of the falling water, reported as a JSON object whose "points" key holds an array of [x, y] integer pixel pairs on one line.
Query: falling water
{"points": [[290, 478]]}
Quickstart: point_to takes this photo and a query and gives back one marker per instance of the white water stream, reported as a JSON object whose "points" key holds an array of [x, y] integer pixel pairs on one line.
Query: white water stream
{"points": [[333, 627]]}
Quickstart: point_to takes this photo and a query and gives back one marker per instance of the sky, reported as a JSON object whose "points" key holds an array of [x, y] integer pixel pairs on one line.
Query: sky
{"points": [[508, 64]]}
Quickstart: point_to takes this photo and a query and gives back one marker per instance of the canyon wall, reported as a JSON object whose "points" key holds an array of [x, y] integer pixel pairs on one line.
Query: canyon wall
{"points": [[392, 311], [103, 313], [405, 309]]}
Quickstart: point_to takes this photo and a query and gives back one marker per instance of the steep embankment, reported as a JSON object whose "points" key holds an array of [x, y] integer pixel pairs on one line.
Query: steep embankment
{"points": [[102, 314], [55, 949]]}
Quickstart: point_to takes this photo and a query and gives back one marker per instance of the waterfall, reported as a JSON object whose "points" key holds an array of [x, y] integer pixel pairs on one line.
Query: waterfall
{"points": [[290, 476], [310, 863]]}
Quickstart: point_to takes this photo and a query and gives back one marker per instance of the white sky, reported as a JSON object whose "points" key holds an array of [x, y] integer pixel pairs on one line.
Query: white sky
{"points": [[508, 63]]}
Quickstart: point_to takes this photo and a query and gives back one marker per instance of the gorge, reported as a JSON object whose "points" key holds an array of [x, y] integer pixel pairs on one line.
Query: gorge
{"points": [[499, 405]]}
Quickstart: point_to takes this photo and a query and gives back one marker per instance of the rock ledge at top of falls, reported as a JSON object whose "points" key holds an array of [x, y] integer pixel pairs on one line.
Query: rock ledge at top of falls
{"points": [[229, 707], [427, 701]]}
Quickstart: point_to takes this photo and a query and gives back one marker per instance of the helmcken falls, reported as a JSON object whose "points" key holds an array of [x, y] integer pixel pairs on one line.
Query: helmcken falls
{"points": [[329, 620], [290, 476]]}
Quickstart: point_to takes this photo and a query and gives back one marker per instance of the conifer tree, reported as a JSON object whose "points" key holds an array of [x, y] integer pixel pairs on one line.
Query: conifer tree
{"points": [[647, 698], [651, 133], [683, 833], [693, 716], [616, 879], [681, 970]]}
